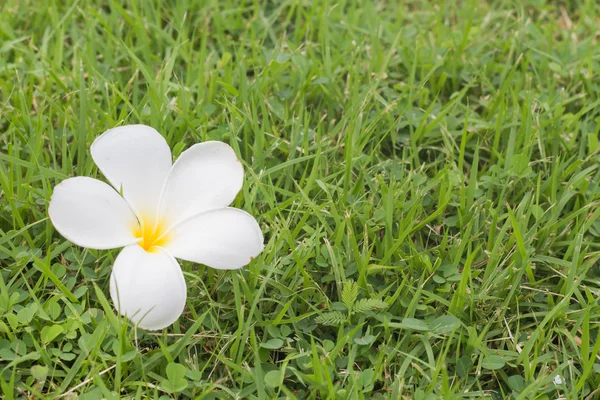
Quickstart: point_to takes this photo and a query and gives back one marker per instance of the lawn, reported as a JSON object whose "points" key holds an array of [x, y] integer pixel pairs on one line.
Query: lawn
{"points": [[425, 175]]}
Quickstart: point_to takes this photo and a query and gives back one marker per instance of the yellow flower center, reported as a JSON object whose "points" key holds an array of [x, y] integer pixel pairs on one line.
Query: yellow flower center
{"points": [[151, 236]]}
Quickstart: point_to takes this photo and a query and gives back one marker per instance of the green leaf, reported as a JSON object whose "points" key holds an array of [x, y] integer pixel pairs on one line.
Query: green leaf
{"points": [[130, 355], [66, 356], [26, 314], [39, 372], [365, 340], [537, 211], [168, 386], [320, 81], [195, 376], [365, 305], [555, 67], [492, 362], [464, 366], [332, 318], [516, 383], [276, 107], [520, 165], [175, 371], [272, 378], [349, 294], [176, 378], [13, 321], [415, 324], [366, 379], [80, 291], [49, 333], [444, 324], [272, 344], [6, 354]]}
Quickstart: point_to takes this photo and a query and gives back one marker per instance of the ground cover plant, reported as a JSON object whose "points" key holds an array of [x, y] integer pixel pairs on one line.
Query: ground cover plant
{"points": [[425, 175]]}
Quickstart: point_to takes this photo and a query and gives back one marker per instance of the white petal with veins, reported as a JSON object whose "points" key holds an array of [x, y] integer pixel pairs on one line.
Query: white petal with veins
{"points": [[148, 287], [136, 159], [227, 238], [206, 176], [91, 214]]}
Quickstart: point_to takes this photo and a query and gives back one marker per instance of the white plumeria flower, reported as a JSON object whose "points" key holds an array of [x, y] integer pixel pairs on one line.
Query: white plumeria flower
{"points": [[166, 212]]}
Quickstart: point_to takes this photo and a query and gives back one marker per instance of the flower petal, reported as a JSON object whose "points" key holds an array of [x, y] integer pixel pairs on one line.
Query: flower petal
{"points": [[227, 238], [136, 160], [90, 213], [206, 176], [148, 287]]}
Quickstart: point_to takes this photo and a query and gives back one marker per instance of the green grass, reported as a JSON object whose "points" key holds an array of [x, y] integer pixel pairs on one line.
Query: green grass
{"points": [[425, 174]]}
